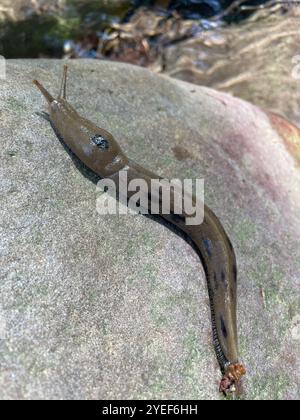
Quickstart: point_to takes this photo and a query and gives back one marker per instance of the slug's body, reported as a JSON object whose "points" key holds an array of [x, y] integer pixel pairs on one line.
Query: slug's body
{"points": [[99, 151]]}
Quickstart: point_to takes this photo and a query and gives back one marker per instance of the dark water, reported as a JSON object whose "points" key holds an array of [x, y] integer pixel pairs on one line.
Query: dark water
{"points": [[199, 9], [189, 9], [45, 35]]}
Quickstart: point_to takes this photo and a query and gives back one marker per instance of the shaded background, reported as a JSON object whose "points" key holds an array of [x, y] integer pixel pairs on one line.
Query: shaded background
{"points": [[42, 28], [242, 47]]}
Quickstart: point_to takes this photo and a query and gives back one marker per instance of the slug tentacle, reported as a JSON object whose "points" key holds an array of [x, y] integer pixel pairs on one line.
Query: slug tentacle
{"points": [[63, 88], [98, 150], [46, 94]]}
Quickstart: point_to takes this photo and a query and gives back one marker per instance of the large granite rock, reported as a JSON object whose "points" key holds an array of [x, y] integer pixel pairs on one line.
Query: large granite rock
{"points": [[116, 307]]}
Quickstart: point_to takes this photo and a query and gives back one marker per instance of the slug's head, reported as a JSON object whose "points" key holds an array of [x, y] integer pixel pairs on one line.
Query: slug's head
{"points": [[93, 145], [62, 94], [230, 381]]}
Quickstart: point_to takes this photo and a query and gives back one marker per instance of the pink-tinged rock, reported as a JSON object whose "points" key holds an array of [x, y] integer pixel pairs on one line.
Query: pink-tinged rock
{"points": [[116, 307]]}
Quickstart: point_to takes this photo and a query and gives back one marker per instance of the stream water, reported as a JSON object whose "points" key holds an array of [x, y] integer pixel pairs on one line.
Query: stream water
{"points": [[42, 30]]}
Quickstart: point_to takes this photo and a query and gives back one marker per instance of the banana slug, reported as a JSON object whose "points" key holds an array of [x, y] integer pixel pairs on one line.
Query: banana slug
{"points": [[100, 152]]}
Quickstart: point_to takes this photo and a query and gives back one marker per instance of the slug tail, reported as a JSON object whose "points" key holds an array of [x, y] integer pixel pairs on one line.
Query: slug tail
{"points": [[46, 94], [230, 381]]}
